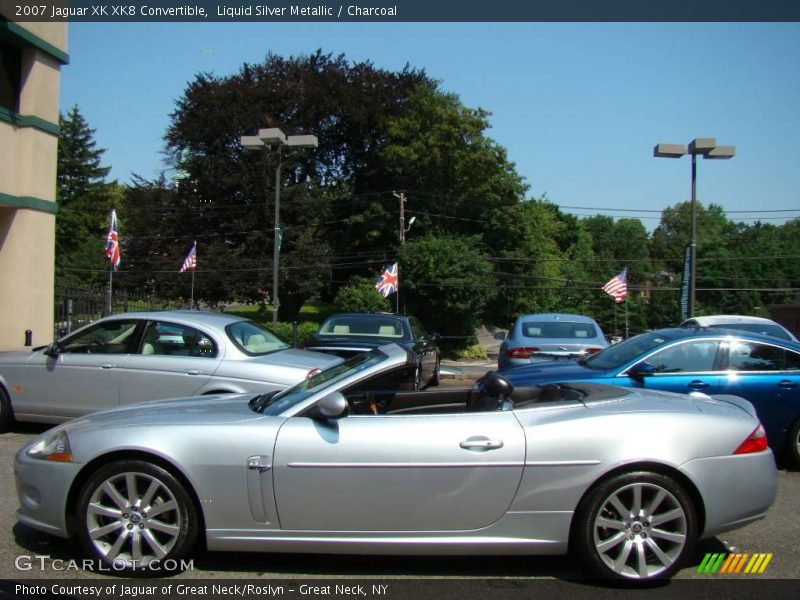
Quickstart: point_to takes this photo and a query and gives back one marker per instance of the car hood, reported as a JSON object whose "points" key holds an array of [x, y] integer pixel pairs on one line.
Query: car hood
{"points": [[299, 359], [551, 371], [223, 409]]}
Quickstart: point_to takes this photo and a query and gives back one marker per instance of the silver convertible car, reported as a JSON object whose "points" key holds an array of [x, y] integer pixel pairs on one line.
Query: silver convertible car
{"points": [[342, 462], [132, 357]]}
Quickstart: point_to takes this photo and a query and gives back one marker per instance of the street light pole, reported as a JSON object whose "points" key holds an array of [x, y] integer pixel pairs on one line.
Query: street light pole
{"points": [[707, 148], [276, 137]]}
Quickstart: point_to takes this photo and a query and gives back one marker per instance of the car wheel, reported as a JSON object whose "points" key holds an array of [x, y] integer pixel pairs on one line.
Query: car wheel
{"points": [[793, 451], [436, 372], [636, 526], [6, 412], [134, 515]]}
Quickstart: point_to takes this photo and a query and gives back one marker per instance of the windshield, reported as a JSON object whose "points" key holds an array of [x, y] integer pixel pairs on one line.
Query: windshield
{"points": [[558, 330], [367, 325], [321, 381], [254, 339], [621, 354]]}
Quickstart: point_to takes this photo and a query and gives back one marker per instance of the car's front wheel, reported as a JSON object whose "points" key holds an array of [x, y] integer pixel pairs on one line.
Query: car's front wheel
{"points": [[136, 517], [6, 412], [636, 526]]}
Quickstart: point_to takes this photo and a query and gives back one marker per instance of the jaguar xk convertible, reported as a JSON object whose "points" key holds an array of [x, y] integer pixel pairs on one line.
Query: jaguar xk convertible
{"points": [[342, 462]]}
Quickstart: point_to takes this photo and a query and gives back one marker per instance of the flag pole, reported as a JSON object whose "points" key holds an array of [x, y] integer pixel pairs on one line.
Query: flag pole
{"points": [[397, 293], [109, 295], [626, 317]]}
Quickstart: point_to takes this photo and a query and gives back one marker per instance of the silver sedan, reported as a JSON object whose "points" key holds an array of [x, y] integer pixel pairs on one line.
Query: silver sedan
{"points": [[132, 357], [344, 463]]}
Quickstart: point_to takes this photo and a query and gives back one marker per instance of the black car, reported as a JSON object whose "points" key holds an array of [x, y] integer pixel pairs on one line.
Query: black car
{"points": [[347, 334]]}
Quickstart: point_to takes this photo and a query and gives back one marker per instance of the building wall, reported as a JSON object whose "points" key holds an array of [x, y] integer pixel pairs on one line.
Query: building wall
{"points": [[28, 158]]}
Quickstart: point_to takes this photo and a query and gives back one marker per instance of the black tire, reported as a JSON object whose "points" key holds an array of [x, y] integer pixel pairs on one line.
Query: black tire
{"points": [[436, 372], [793, 445], [630, 546], [6, 412], [146, 528]]}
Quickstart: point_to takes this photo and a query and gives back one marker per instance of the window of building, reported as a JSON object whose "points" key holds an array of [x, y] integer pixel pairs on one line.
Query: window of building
{"points": [[10, 76]]}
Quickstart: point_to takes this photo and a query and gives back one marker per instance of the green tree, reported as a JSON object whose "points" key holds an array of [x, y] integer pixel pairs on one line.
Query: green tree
{"points": [[447, 283], [85, 200], [360, 295]]}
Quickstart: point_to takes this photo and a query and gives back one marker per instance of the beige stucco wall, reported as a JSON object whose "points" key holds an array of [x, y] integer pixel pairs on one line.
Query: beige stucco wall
{"points": [[28, 158], [26, 273]]}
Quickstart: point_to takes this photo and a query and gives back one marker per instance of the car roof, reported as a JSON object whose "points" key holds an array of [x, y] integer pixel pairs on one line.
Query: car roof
{"points": [[192, 316], [677, 333], [722, 319]]}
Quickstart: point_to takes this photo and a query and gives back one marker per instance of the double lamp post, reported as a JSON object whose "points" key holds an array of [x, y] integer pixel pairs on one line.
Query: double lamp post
{"points": [[267, 138], [707, 148]]}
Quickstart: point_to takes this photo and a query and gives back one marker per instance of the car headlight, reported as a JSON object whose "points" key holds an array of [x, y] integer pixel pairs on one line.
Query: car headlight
{"points": [[54, 446]]}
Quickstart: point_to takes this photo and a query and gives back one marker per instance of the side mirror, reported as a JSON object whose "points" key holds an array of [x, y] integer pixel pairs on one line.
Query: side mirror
{"points": [[643, 369], [53, 349], [500, 335], [334, 406]]}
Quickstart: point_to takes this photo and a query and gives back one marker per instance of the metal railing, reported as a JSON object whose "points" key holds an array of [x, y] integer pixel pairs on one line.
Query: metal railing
{"points": [[76, 306]]}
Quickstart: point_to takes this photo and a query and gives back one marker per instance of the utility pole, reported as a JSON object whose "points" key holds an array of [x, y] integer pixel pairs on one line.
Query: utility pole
{"points": [[402, 197]]}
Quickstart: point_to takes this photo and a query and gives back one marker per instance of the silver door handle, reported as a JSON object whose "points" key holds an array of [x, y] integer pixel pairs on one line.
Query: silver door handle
{"points": [[259, 463], [194, 372], [481, 444], [107, 366]]}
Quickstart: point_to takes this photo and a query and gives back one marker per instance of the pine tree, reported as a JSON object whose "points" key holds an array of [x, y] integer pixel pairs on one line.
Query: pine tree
{"points": [[84, 200]]}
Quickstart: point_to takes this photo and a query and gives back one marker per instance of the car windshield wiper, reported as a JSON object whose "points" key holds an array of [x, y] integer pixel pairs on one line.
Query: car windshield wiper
{"points": [[261, 401]]}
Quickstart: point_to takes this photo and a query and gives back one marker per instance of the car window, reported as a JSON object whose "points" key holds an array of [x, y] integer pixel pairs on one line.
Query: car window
{"points": [[362, 325], [417, 329], [254, 339], [687, 357], [162, 338], [558, 330], [106, 337], [752, 356]]}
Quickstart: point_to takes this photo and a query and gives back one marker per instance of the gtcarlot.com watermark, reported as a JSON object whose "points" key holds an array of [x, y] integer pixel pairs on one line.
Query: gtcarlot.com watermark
{"points": [[44, 562]]}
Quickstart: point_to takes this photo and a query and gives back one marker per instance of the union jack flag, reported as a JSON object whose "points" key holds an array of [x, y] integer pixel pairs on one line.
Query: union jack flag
{"points": [[191, 259], [388, 281], [617, 287], [112, 242]]}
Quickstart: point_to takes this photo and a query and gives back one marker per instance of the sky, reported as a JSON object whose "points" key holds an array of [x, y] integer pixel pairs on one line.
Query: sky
{"points": [[578, 106]]}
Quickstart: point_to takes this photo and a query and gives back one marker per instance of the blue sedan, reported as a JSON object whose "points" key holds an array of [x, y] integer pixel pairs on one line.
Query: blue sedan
{"points": [[764, 370]]}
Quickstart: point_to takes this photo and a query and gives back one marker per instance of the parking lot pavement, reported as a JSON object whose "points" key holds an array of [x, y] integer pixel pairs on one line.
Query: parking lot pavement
{"points": [[777, 534]]}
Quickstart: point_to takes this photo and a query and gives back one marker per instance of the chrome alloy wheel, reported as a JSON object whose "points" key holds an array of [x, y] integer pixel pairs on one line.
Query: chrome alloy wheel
{"points": [[133, 519], [640, 530]]}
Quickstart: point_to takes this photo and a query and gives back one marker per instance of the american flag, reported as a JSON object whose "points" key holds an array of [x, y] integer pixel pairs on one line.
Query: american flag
{"points": [[191, 259], [617, 287], [112, 242], [387, 282]]}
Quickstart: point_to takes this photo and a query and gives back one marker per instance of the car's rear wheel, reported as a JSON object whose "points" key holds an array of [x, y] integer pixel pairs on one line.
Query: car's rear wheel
{"points": [[636, 526], [793, 449], [6, 412], [135, 517]]}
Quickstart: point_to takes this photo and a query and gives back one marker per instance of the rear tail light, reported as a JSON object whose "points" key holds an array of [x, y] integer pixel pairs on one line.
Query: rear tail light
{"points": [[755, 442], [593, 350], [313, 372], [520, 352]]}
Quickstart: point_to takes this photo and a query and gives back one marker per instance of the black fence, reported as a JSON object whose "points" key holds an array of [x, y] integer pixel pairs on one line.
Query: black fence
{"points": [[77, 306]]}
